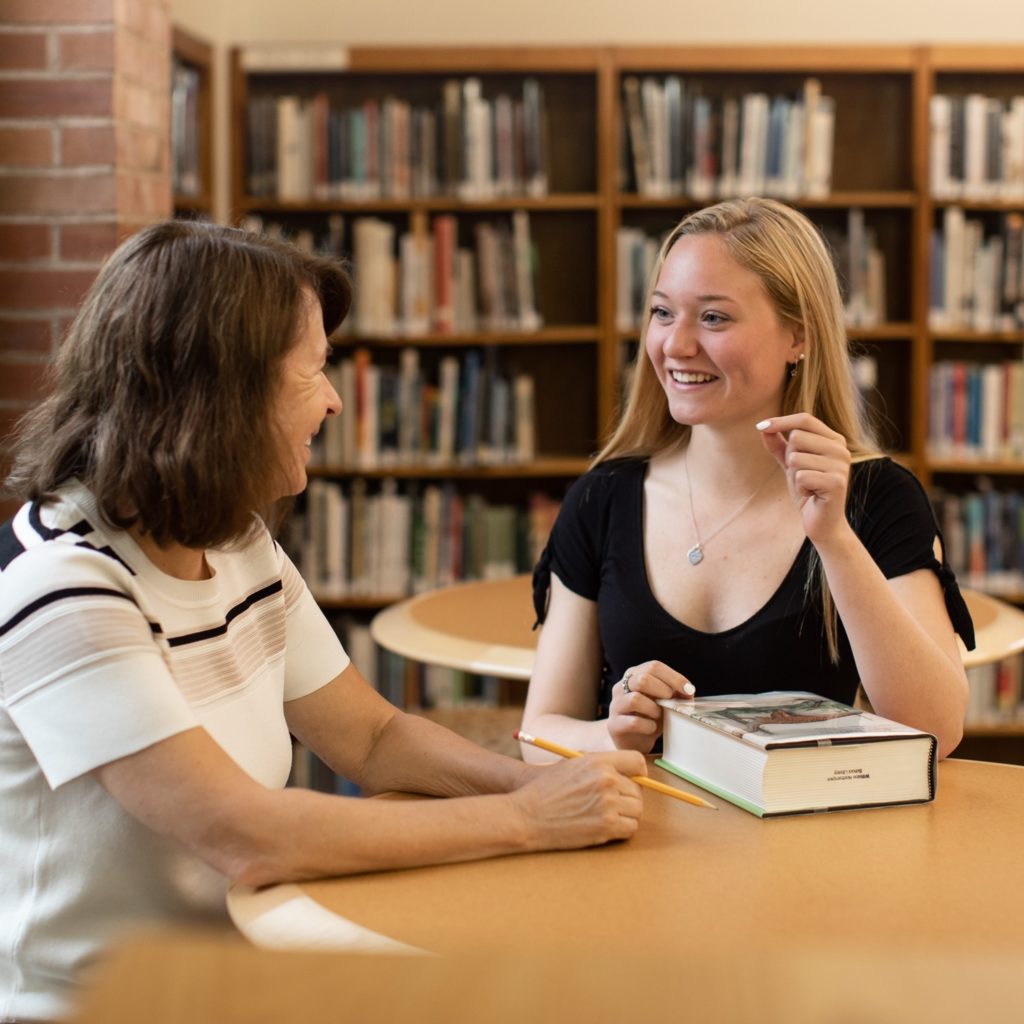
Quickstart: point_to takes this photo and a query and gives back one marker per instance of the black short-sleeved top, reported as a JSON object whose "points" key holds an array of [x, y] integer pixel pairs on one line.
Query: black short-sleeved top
{"points": [[596, 550]]}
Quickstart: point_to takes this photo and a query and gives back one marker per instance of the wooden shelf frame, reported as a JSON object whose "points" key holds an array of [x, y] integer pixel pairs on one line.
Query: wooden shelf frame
{"points": [[909, 74]]}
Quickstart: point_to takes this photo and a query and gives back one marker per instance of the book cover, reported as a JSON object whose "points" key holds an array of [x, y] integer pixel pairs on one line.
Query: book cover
{"points": [[790, 752]]}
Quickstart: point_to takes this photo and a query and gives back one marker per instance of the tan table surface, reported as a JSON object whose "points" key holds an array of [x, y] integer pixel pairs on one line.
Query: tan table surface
{"points": [[483, 626], [947, 875], [183, 978]]}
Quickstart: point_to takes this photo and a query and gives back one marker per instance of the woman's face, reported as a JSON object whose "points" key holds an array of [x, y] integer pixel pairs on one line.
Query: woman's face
{"points": [[716, 343], [305, 395]]}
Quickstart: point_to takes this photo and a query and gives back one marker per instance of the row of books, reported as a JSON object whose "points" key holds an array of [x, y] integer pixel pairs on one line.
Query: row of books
{"points": [[984, 534], [859, 260], [996, 696], [678, 140], [976, 410], [977, 272], [470, 412], [186, 176], [351, 542], [422, 281], [977, 147], [465, 145]]}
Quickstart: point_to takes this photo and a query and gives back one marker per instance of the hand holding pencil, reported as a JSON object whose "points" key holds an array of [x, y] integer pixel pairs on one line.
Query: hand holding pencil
{"points": [[641, 780]]}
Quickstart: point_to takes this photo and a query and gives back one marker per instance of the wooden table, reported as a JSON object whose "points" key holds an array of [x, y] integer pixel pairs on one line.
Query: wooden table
{"points": [[946, 876], [484, 626], [210, 979]]}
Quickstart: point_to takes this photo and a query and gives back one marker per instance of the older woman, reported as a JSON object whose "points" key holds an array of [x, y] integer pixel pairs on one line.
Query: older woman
{"points": [[739, 532], [157, 647]]}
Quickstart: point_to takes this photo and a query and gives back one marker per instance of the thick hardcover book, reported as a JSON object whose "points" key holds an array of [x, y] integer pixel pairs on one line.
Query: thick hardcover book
{"points": [[795, 753]]}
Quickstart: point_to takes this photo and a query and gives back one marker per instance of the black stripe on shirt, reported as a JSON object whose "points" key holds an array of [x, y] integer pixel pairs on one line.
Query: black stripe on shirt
{"points": [[82, 529], [59, 595], [10, 546], [208, 634], [108, 551]]}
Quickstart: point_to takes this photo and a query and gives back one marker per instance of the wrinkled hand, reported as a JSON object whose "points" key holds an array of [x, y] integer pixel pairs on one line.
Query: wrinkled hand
{"points": [[634, 717], [817, 465], [582, 802]]}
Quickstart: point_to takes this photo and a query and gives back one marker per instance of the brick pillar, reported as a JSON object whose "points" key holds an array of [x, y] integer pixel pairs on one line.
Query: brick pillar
{"points": [[84, 161]]}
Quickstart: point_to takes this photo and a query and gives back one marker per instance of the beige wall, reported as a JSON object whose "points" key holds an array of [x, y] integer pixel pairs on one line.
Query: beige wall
{"points": [[227, 22], [605, 21]]}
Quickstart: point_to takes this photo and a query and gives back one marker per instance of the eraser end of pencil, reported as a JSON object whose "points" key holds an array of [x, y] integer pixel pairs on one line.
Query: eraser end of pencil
{"points": [[515, 735]]}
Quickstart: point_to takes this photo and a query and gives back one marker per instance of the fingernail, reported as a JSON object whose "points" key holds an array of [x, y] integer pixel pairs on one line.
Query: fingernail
{"points": [[689, 689], [763, 425]]}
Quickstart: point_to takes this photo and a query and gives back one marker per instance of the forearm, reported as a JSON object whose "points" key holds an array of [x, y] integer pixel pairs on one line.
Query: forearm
{"points": [[414, 755], [908, 674], [294, 834]]}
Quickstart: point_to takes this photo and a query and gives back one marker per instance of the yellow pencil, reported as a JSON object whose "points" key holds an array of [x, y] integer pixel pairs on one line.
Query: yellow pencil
{"points": [[640, 780]]}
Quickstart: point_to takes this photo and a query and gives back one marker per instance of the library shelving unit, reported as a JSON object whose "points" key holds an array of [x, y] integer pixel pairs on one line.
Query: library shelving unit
{"points": [[192, 124], [989, 79], [880, 175]]}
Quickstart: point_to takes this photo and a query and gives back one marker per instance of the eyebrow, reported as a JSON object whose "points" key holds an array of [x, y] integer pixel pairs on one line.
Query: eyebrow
{"points": [[700, 298]]}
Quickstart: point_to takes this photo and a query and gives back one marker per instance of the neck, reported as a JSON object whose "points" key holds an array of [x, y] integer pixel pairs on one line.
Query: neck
{"points": [[728, 464], [173, 559]]}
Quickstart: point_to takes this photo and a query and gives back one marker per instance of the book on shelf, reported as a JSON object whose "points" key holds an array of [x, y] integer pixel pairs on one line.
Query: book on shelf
{"points": [[976, 147], [796, 753], [465, 144], [984, 535], [636, 253], [679, 138], [861, 266], [995, 693], [976, 410], [186, 144], [470, 411], [976, 272], [423, 280], [354, 541]]}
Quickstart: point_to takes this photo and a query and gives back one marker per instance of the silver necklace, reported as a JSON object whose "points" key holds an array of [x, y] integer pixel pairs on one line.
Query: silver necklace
{"points": [[696, 554]]}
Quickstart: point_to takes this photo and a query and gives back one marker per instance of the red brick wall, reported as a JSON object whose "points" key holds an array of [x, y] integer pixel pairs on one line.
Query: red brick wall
{"points": [[84, 161]]}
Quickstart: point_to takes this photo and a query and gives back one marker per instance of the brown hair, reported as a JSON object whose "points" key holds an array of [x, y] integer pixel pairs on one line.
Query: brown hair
{"points": [[164, 387], [788, 254]]}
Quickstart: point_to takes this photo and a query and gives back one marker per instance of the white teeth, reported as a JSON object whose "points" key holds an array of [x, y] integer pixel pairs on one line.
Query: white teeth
{"points": [[680, 377]]}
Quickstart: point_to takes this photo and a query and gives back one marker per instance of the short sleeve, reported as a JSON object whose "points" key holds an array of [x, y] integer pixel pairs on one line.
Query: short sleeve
{"points": [[313, 655], [81, 673], [896, 523], [575, 548]]}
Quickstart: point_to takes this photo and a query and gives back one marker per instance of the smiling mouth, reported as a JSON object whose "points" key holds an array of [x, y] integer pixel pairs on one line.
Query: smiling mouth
{"points": [[684, 377]]}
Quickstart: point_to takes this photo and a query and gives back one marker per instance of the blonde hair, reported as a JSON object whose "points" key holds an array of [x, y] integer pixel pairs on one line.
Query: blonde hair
{"points": [[789, 255]]}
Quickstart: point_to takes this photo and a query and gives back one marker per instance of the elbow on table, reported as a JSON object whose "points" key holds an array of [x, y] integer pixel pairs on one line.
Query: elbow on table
{"points": [[248, 853], [949, 738]]}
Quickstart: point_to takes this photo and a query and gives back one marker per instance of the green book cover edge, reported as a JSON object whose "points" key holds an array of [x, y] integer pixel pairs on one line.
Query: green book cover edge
{"points": [[717, 790]]}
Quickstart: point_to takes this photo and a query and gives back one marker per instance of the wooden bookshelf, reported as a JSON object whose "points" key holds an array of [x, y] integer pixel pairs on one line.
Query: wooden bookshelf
{"points": [[880, 165], [196, 56]]}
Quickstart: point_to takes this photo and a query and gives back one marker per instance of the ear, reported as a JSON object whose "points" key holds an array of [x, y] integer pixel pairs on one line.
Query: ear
{"points": [[796, 348]]}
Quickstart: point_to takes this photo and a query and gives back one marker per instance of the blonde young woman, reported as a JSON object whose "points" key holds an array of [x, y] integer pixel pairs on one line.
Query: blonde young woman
{"points": [[739, 532]]}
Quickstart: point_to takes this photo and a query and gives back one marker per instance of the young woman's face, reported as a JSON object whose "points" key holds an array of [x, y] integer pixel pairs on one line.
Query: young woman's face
{"points": [[716, 343], [305, 395]]}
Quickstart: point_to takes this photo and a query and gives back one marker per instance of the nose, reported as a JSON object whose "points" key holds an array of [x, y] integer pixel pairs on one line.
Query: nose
{"points": [[681, 341], [334, 404]]}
